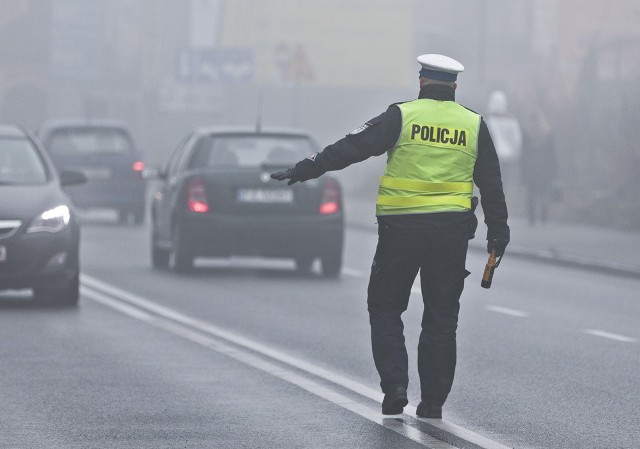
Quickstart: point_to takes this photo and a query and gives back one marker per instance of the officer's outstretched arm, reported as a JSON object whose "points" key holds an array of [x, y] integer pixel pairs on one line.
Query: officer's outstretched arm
{"points": [[373, 138]]}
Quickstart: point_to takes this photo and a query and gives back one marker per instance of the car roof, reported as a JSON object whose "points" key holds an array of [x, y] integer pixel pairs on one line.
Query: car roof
{"points": [[81, 123], [9, 130], [297, 132]]}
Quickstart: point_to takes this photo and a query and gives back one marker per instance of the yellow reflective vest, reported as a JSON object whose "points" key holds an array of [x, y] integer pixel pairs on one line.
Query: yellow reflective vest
{"points": [[431, 167]]}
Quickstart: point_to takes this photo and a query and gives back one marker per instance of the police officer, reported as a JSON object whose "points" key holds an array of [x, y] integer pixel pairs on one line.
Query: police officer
{"points": [[436, 149]]}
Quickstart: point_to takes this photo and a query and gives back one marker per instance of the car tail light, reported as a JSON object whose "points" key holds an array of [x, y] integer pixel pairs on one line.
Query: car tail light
{"points": [[197, 200], [137, 166], [331, 195]]}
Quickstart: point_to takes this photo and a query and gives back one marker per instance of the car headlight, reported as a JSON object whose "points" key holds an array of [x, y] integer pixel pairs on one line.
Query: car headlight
{"points": [[52, 220]]}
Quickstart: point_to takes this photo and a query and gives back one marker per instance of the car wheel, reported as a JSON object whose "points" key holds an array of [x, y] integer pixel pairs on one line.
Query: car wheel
{"points": [[303, 264], [138, 215], [180, 258], [159, 256], [123, 216], [68, 294], [331, 264]]}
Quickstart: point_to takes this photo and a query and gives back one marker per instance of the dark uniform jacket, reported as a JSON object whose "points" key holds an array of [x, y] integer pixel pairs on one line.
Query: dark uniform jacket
{"points": [[381, 134]]}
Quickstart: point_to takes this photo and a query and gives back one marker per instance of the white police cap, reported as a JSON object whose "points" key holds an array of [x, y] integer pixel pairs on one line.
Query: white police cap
{"points": [[439, 67]]}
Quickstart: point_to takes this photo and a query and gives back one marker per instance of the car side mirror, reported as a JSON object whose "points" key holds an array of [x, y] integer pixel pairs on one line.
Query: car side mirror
{"points": [[71, 178], [153, 172]]}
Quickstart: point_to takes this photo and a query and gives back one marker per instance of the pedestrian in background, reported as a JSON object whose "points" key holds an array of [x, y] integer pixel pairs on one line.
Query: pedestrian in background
{"points": [[436, 149], [506, 133], [539, 167]]}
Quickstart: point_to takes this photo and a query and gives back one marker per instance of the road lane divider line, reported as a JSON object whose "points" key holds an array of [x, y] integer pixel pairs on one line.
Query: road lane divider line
{"points": [[610, 336], [304, 366], [507, 311], [114, 304], [303, 382], [247, 358]]}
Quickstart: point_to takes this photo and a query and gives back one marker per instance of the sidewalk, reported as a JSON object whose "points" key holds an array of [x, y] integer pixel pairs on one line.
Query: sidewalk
{"points": [[604, 250]]}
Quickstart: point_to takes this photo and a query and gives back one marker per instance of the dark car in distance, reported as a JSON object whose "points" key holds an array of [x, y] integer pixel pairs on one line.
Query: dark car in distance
{"points": [[216, 199], [39, 232], [106, 153]]}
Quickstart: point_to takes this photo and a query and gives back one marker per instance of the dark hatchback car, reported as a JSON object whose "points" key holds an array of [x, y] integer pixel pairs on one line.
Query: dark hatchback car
{"points": [[39, 233], [106, 153], [216, 199]]}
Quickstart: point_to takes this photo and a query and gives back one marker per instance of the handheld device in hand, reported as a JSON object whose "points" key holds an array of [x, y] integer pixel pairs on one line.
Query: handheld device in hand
{"points": [[489, 269]]}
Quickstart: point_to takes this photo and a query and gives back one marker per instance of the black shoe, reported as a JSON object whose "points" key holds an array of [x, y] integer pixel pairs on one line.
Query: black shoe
{"points": [[394, 401], [424, 410]]}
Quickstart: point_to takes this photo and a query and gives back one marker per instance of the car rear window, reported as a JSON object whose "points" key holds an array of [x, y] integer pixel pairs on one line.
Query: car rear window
{"points": [[250, 151], [20, 162], [87, 141]]}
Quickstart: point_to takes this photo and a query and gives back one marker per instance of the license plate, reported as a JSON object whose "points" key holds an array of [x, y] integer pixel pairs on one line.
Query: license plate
{"points": [[3, 254], [265, 196]]}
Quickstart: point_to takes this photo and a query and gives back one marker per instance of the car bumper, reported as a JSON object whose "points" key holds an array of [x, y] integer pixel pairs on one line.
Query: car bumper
{"points": [[285, 237], [39, 259]]}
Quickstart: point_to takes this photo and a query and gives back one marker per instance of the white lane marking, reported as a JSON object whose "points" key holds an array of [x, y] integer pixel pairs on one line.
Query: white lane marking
{"points": [[247, 358], [118, 305], [506, 311], [609, 335], [302, 365]]}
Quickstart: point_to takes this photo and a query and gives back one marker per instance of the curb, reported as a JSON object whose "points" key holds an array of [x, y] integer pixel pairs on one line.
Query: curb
{"points": [[568, 260]]}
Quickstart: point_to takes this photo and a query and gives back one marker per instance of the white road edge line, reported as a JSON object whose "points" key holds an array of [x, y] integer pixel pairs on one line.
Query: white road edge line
{"points": [[507, 311], [610, 336], [247, 358], [302, 365], [133, 312]]}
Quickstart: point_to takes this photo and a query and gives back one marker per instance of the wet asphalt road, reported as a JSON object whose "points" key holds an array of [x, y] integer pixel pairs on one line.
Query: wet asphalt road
{"points": [[542, 358]]}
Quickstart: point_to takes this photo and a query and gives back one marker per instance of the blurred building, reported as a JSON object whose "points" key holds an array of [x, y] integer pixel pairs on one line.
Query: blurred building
{"points": [[166, 66]]}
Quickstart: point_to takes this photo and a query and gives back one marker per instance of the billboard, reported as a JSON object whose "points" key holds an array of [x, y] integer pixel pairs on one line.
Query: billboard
{"points": [[327, 42]]}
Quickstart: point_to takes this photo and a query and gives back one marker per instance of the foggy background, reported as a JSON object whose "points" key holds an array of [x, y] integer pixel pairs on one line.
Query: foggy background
{"points": [[168, 66]]}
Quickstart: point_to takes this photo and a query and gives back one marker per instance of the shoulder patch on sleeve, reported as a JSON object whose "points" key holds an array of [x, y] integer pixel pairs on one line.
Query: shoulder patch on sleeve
{"points": [[360, 129], [373, 122]]}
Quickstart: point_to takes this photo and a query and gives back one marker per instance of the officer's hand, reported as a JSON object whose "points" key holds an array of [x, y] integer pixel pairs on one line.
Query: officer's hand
{"points": [[499, 245], [302, 171], [282, 175]]}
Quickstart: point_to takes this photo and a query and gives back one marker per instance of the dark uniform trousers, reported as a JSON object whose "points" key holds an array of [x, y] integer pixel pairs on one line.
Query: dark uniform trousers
{"points": [[439, 255]]}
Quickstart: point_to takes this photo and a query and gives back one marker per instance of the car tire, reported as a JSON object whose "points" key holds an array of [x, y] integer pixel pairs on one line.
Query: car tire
{"points": [[180, 258], [159, 255], [331, 264], [304, 264], [138, 215], [123, 216]]}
